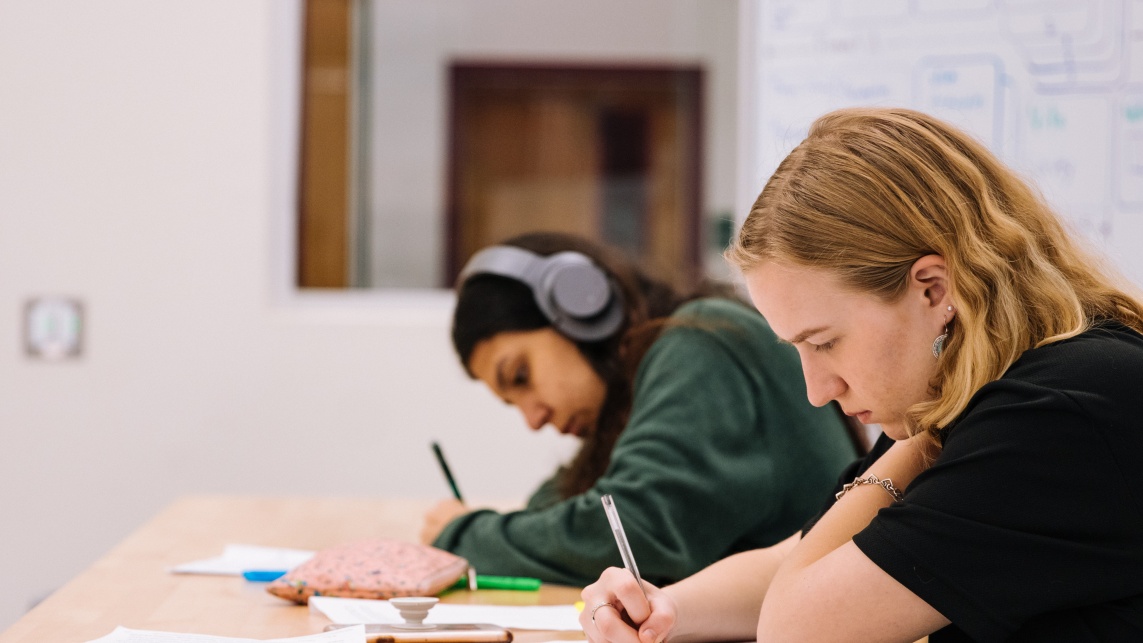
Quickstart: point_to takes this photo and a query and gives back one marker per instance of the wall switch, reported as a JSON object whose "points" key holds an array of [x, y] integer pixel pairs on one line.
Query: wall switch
{"points": [[53, 328]]}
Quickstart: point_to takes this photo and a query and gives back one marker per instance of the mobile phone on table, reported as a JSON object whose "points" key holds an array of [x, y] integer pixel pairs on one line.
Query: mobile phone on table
{"points": [[444, 633]]}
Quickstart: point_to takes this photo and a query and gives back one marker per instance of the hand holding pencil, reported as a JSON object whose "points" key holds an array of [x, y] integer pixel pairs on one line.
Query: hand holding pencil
{"points": [[620, 601], [439, 516]]}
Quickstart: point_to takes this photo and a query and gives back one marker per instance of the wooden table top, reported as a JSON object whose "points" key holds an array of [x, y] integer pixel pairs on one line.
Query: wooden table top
{"points": [[131, 585]]}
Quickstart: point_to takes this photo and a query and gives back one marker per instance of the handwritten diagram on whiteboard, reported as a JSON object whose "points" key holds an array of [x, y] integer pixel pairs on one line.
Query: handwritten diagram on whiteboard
{"points": [[1055, 87]]}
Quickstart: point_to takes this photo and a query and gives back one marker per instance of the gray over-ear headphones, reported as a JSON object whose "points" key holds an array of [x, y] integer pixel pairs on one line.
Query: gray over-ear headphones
{"points": [[573, 293]]}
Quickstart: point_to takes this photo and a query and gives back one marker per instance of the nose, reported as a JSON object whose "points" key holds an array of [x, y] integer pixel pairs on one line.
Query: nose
{"points": [[536, 413], [822, 384]]}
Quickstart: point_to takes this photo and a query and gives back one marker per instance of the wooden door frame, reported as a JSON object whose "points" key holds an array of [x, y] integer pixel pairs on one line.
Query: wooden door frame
{"points": [[323, 240]]}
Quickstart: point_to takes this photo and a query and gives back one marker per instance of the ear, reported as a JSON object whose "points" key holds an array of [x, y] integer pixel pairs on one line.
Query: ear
{"points": [[929, 277]]}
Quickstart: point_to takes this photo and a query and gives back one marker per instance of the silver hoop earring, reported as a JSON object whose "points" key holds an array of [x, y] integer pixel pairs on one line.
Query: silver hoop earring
{"points": [[939, 343]]}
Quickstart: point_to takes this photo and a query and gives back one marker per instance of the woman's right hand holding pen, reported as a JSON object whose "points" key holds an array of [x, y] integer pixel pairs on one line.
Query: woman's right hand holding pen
{"points": [[437, 518], [616, 611], [719, 603]]}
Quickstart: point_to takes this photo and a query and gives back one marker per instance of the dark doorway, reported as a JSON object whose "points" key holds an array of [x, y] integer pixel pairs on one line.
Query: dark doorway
{"points": [[609, 153]]}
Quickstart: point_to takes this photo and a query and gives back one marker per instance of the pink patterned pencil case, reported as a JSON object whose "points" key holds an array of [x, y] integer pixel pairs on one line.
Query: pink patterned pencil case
{"points": [[376, 568]]}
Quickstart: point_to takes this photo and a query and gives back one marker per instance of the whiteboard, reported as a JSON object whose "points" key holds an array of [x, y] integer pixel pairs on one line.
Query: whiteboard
{"points": [[1054, 87]]}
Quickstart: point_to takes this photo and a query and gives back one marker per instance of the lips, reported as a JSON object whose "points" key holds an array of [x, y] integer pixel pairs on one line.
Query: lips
{"points": [[573, 427]]}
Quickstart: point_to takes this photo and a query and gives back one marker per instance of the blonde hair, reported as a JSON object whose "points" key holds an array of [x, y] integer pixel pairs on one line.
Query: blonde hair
{"points": [[871, 190]]}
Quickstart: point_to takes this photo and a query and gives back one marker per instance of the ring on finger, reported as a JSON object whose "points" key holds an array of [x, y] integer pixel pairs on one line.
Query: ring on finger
{"points": [[599, 605]]}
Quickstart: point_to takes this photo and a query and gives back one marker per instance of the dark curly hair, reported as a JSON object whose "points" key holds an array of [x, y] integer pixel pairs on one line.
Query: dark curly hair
{"points": [[488, 305]]}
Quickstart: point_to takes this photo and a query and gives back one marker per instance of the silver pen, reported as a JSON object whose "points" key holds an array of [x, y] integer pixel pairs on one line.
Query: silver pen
{"points": [[621, 540]]}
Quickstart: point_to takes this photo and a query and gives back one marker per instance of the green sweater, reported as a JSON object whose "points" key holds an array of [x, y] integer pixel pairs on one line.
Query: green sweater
{"points": [[722, 453]]}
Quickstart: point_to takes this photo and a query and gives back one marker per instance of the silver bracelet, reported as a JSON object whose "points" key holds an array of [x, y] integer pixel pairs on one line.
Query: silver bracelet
{"points": [[885, 484]]}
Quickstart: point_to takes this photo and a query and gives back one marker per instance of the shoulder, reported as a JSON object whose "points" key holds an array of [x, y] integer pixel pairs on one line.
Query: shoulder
{"points": [[714, 333], [714, 325], [1058, 400], [715, 307], [1099, 355], [718, 316], [1099, 366]]}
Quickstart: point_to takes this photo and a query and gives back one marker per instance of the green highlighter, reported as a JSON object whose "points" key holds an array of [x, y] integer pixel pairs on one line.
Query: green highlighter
{"points": [[519, 583]]}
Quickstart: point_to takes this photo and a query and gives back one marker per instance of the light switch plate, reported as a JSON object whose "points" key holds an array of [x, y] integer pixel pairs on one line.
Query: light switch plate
{"points": [[53, 328]]}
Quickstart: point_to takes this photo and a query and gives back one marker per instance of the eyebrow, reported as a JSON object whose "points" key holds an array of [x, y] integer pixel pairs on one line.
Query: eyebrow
{"points": [[802, 336]]}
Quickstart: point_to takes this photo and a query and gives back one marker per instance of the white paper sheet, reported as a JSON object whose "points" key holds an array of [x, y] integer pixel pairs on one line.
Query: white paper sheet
{"points": [[236, 559], [124, 635], [539, 617]]}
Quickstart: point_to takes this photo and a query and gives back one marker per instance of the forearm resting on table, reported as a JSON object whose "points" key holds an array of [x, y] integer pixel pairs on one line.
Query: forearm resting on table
{"points": [[827, 589], [722, 601], [901, 464]]}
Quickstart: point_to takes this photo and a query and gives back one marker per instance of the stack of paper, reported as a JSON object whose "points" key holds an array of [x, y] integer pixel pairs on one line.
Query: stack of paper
{"points": [[542, 617], [236, 559]]}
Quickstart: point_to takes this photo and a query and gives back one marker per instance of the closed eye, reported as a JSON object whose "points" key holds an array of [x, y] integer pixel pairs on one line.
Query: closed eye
{"points": [[520, 376], [511, 378], [824, 348]]}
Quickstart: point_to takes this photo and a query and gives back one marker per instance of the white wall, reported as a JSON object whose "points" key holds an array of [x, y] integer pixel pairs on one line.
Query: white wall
{"points": [[145, 167]]}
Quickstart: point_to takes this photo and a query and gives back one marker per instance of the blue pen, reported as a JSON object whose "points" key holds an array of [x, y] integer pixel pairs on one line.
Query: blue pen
{"points": [[263, 575]]}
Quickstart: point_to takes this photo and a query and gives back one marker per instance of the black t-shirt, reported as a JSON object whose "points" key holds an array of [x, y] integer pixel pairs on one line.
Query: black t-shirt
{"points": [[1029, 525]]}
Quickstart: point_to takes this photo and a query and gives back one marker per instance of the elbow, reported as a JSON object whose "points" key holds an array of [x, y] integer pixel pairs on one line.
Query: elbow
{"points": [[776, 628], [781, 633], [785, 616]]}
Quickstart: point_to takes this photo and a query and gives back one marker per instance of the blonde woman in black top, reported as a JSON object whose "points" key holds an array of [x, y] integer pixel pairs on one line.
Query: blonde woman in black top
{"points": [[929, 290]]}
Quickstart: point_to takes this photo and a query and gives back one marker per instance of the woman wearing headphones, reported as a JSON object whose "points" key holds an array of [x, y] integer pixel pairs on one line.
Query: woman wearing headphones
{"points": [[690, 413]]}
